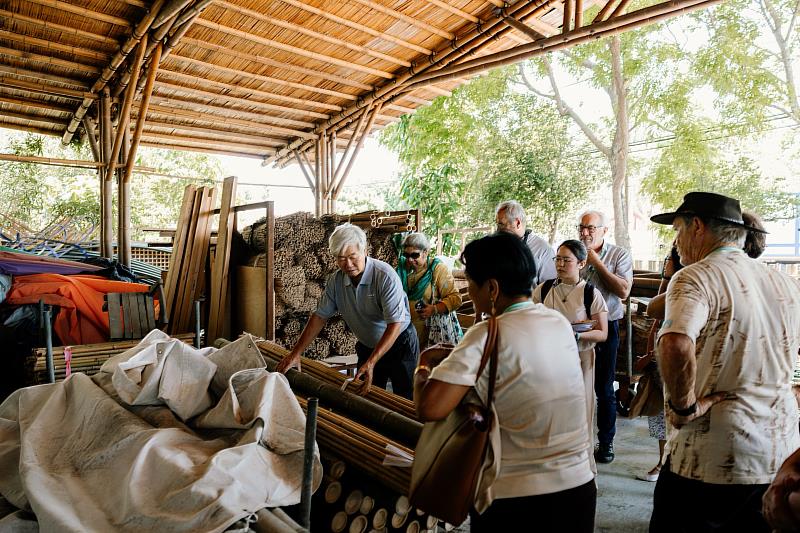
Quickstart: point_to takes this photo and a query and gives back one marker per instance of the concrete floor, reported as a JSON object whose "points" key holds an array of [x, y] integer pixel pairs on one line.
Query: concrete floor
{"points": [[623, 502]]}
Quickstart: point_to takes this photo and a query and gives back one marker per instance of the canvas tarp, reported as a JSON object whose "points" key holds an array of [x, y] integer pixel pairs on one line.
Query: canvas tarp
{"points": [[164, 438]]}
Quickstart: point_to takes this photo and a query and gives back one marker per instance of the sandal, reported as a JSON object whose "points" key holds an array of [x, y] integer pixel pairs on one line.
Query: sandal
{"points": [[651, 476]]}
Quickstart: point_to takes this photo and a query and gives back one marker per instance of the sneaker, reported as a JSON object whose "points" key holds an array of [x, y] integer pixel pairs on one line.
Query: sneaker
{"points": [[604, 453], [651, 476]]}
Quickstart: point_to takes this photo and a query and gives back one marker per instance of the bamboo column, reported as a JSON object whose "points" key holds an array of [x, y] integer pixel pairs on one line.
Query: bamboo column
{"points": [[107, 191], [123, 201], [125, 113], [331, 171], [317, 177], [357, 150]]}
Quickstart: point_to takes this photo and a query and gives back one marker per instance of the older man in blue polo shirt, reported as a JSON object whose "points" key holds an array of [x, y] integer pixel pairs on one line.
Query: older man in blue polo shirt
{"points": [[370, 297]]}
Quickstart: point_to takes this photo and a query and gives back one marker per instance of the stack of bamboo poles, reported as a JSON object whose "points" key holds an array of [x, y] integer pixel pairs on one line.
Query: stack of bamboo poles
{"points": [[395, 221], [218, 326], [86, 358], [327, 374], [348, 501], [187, 262]]}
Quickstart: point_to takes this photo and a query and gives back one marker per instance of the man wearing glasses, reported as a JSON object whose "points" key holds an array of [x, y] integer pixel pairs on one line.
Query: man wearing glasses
{"points": [[510, 218], [610, 269]]}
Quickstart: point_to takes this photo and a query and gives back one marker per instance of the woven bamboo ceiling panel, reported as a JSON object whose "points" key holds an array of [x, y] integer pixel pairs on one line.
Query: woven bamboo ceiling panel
{"points": [[263, 78]]}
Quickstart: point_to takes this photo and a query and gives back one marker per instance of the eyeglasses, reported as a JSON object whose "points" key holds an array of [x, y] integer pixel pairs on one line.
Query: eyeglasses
{"points": [[590, 229], [412, 255], [564, 260]]}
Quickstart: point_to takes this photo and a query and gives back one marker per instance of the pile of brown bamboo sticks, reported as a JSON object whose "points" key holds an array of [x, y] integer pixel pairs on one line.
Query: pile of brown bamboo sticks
{"points": [[327, 374], [187, 262], [347, 501], [86, 358]]}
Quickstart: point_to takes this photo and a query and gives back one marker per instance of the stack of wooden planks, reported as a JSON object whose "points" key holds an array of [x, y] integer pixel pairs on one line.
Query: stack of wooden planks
{"points": [[187, 263], [86, 358], [218, 323]]}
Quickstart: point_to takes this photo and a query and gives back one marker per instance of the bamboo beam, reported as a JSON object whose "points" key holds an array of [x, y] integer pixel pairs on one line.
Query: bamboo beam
{"points": [[73, 32], [311, 33], [91, 134], [356, 26], [192, 12], [454, 10], [520, 26], [125, 113], [305, 172], [255, 92], [566, 24], [203, 149], [243, 101], [407, 19], [195, 141], [123, 205], [223, 111], [43, 88], [265, 60], [260, 77], [136, 36], [620, 9], [36, 104], [107, 190], [26, 127], [225, 134], [578, 13], [346, 153], [42, 76], [172, 8], [140, 120], [360, 144], [325, 167], [207, 118], [48, 60], [32, 118], [294, 49], [82, 12], [54, 46], [318, 177], [605, 11]]}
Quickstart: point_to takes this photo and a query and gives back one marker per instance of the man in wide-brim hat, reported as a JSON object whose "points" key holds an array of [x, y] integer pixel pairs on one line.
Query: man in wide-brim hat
{"points": [[726, 352]]}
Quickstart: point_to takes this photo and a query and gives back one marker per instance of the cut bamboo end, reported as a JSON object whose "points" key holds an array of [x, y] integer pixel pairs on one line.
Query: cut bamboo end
{"points": [[339, 522], [332, 492], [432, 522], [337, 469], [353, 502], [379, 520], [402, 506], [413, 527], [398, 520], [359, 524], [366, 505]]}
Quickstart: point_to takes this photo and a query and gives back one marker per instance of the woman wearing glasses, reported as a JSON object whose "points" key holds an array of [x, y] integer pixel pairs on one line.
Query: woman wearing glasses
{"points": [[428, 283], [581, 304]]}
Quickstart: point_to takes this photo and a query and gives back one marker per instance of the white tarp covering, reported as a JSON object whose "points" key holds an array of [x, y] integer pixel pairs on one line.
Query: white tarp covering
{"points": [[164, 438]]}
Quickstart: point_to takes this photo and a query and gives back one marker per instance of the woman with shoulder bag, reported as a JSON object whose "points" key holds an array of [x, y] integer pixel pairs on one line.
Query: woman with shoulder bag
{"points": [[431, 290], [585, 308], [544, 457]]}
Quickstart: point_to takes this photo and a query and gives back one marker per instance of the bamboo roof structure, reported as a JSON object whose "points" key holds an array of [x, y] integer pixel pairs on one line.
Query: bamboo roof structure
{"points": [[269, 79]]}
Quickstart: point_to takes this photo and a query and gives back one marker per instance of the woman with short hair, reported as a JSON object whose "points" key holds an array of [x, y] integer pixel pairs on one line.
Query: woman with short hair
{"points": [[545, 473], [428, 283]]}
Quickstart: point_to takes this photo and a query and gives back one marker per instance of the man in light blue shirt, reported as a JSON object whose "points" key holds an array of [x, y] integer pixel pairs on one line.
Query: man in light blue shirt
{"points": [[370, 297]]}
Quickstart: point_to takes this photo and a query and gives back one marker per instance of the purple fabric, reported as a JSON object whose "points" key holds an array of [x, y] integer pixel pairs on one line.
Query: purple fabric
{"points": [[18, 264]]}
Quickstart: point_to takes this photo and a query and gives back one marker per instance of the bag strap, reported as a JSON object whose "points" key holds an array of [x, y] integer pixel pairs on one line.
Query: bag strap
{"points": [[546, 286], [490, 355], [588, 299]]}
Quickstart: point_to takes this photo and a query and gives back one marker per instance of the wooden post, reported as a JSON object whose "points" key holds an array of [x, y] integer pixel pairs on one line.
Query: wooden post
{"points": [[107, 192], [269, 334], [578, 13], [125, 113]]}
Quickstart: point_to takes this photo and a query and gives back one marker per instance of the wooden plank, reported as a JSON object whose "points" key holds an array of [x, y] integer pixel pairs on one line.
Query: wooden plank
{"points": [[145, 320], [181, 286], [220, 280], [270, 245], [135, 320], [179, 241], [197, 257], [114, 322], [150, 313], [126, 316]]}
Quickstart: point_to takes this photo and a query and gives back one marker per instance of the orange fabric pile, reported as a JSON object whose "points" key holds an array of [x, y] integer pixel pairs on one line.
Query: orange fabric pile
{"points": [[81, 319]]}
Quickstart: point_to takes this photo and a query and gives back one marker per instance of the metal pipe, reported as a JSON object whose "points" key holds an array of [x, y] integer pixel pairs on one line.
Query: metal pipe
{"points": [[48, 333], [197, 324], [308, 462]]}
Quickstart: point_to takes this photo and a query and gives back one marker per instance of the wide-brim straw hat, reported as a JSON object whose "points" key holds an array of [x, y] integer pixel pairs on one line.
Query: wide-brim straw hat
{"points": [[708, 205]]}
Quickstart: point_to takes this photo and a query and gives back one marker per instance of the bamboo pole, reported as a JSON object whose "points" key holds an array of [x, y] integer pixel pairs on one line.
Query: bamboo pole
{"points": [[43, 88], [605, 11], [578, 13], [317, 178], [569, 13], [83, 12], [106, 187], [51, 46], [417, 23], [124, 115], [342, 163], [60, 28], [168, 11], [203, 141], [305, 172], [136, 36], [325, 166], [51, 61], [223, 134], [124, 204], [43, 76], [137, 135], [357, 150], [620, 9]]}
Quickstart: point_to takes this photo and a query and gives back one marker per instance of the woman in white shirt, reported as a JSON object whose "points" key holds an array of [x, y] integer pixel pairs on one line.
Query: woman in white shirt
{"points": [[545, 473], [569, 296]]}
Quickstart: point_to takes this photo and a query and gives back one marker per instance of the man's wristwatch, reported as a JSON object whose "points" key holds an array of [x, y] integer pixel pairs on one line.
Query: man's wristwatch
{"points": [[686, 411]]}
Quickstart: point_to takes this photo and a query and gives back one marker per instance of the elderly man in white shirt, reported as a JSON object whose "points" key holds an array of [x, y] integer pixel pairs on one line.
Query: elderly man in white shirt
{"points": [[726, 351], [510, 217]]}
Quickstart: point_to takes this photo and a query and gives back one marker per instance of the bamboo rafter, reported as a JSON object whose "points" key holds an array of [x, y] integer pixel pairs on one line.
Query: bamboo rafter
{"points": [[82, 12], [55, 46], [153, 123], [72, 32], [48, 60]]}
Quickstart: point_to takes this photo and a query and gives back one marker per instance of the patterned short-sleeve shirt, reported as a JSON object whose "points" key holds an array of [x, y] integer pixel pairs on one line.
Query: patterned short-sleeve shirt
{"points": [[744, 319]]}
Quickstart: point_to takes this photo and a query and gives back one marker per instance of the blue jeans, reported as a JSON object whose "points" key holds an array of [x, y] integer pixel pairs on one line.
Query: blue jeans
{"points": [[605, 368], [397, 364]]}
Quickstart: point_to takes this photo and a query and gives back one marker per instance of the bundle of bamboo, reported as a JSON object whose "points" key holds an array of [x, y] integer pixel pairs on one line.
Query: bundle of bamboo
{"points": [[187, 262], [324, 373], [86, 358]]}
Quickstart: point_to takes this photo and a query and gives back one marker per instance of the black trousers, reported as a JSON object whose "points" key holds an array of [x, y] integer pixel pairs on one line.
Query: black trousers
{"points": [[605, 370], [397, 364], [570, 510], [683, 505]]}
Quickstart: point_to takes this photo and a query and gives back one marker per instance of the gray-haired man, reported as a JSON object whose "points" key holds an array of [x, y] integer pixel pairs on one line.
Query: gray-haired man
{"points": [[510, 217], [369, 295]]}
